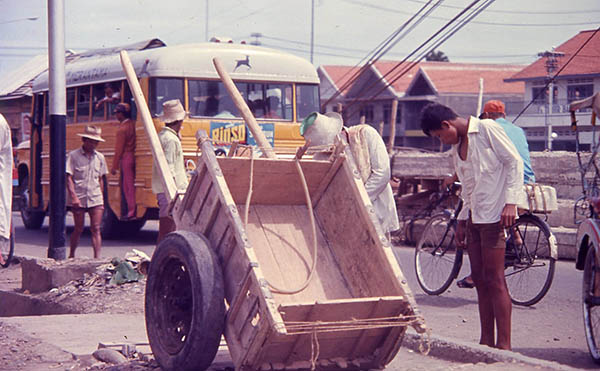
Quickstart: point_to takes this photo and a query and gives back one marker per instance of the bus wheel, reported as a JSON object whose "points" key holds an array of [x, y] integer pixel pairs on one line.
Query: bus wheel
{"points": [[110, 226], [184, 303], [32, 219]]}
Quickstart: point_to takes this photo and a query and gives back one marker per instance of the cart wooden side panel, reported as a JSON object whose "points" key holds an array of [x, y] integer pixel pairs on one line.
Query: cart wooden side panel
{"points": [[355, 307]]}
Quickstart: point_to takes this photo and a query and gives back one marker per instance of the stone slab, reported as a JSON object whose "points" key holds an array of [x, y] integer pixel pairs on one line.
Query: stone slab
{"points": [[42, 274]]}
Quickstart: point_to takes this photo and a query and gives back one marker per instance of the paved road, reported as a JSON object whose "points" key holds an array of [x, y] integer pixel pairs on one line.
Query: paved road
{"points": [[551, 330]]}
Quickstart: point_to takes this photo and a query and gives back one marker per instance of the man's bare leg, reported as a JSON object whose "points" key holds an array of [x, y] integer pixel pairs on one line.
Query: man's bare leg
{"points": [[95, 221], [78, 218]]}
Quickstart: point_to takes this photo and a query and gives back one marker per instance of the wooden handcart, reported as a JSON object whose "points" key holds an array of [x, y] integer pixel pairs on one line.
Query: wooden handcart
{"points": [[222, 274]]}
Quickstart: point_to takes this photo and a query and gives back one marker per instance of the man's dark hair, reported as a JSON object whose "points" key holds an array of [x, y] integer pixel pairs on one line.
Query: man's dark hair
{"points": [[432, 116]]}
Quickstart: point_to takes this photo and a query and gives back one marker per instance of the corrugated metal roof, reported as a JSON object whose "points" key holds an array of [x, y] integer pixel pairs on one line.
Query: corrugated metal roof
{"points": [[18, 82]]}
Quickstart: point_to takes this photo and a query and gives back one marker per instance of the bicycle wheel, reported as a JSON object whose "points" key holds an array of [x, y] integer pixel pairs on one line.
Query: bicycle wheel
{"points": [[437, 260], [529, 267], [8, 255], [591, 310]]}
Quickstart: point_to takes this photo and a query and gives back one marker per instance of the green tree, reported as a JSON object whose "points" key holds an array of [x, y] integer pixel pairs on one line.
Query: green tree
{"points": [[436, 56]]}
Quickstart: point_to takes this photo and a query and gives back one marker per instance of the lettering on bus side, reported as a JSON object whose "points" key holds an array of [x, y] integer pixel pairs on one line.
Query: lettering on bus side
{"points": [[228, 132]]}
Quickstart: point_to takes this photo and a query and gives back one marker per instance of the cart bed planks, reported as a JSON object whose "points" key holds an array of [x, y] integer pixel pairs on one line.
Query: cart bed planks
{"points": [[356, 307]]}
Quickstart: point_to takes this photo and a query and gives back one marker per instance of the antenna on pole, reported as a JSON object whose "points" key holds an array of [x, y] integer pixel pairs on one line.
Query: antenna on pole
{"points": [[256, 35]]}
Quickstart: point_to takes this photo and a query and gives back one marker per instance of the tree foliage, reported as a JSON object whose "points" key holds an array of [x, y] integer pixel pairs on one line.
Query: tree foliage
{"points": [[436, 56]]}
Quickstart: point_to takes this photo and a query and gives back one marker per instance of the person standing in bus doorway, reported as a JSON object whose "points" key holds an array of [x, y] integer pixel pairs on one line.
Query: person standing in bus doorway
{"points": [[173, 115], [6, 165], [370, 154], [86, 168], [125, 156]]}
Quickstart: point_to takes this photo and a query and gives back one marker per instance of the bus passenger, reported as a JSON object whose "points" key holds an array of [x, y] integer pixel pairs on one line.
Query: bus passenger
{"points": [[173, 115], [86, 168], [125, 156], [272, 107], [111, 95]]}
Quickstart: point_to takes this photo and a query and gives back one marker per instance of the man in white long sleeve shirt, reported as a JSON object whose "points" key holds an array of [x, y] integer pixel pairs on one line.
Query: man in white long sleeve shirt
{"points": [[6, 165], [369, 151], [491, 172]]}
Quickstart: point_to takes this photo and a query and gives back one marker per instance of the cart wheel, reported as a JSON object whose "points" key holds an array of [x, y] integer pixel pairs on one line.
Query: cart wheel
{"points": [[185, 308]]}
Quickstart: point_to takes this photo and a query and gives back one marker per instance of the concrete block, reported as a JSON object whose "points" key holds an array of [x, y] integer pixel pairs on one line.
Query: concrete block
{"points": [[41, 274]]}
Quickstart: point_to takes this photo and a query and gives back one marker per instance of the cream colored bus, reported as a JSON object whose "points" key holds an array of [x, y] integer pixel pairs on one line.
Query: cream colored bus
{"points": [[281, 89]]}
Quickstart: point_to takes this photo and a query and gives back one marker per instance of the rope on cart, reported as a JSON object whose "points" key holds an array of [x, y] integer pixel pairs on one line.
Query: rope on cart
{"points": [[302, 327], [310, 213]]}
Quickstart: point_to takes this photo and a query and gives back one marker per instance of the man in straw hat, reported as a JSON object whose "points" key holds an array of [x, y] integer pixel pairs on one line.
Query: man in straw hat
{"points": [[173, 115], [86, 168], [370, 154]]}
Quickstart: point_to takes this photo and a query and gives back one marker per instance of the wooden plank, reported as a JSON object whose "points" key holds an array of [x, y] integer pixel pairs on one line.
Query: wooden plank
{"points": [[274, 181]]}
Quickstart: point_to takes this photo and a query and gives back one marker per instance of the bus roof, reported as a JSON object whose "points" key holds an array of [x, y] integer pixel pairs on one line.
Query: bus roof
{"points": [[243, 62]]}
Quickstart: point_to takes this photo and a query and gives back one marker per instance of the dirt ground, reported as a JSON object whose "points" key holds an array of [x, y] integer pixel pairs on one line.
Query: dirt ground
{"points": [[92, 294]]}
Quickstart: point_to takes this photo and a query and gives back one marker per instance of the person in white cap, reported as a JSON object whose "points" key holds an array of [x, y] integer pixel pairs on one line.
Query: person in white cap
{"points": [[173, 115], [6, 165], [370, 153], [86, 168]]}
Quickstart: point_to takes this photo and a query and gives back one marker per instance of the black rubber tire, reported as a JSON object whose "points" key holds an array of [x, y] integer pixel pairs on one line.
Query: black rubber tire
{"points": [[437, 260], [530, 277], [184, 302], [11, 250], [32, 219], [591, 312]]}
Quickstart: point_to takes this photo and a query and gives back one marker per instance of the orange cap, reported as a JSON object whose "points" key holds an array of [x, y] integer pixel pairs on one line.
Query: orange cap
{"points": [[494, 106]]}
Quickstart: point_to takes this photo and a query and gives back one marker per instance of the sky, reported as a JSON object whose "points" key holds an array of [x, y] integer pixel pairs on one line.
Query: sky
{"points": [[345, 31]]}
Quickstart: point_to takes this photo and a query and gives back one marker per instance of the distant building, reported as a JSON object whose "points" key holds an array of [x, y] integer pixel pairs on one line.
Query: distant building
{"points": [[413, 86], [578, 77]]}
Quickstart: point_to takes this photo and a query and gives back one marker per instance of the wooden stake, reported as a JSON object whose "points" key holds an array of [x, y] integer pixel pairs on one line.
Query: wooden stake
{"points": [[393, 125]]}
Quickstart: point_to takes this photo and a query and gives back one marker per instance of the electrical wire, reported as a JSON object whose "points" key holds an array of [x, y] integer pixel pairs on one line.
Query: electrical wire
{"points": [[556, 75]]}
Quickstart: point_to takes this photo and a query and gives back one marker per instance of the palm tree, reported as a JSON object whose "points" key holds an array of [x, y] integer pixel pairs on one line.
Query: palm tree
{"points": [[438, 56]]}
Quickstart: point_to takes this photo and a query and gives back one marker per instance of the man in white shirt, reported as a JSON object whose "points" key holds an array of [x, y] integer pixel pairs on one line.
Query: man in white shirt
{"points": [[6, 165], [370, 154], [491, 172]]}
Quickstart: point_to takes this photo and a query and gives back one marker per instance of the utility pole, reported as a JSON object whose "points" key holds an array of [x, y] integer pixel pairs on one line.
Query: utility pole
{"points": [[256, 35], [312, 30], [58, 120], [206, 23], [551, 66]]}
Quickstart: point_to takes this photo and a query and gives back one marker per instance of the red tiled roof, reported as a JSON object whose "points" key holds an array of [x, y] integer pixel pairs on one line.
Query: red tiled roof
{"points": [[464, 77], [340, 75], [586, 62], [447, 77]]}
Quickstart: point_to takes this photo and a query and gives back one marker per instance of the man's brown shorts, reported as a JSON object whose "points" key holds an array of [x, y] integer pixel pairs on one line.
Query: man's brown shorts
{"points": [[489, 235]]}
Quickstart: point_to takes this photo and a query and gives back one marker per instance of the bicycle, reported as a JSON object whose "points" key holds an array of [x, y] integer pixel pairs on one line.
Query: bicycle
{"points": [[529, 266], [8, 255]]}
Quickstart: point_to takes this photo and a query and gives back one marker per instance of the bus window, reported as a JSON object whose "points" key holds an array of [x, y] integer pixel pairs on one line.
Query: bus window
{"points": [[70, 105], [98, 108], [210, 99], [307, 100], [164, 89], [115, 99], [83, 103], [275, 101]]}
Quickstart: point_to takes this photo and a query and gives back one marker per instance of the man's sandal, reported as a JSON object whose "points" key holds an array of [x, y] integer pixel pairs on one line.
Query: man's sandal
{"points": [[465, 283]]}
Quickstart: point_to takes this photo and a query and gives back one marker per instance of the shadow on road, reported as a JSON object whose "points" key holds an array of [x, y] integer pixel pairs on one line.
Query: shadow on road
{"points": [[578, 358], [443, 301]]}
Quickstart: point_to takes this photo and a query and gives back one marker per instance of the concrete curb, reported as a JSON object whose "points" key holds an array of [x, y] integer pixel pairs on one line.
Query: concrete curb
{"points": [[467, 352]]}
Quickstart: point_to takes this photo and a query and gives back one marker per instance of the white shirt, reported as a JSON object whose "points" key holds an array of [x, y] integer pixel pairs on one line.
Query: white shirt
{"points": [[492, 174], [378, 183], [6, 165]]}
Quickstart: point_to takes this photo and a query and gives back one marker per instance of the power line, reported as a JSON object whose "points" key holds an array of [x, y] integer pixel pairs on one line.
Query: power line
{"points": [[551, 80], [558, 12], [378, 7]]}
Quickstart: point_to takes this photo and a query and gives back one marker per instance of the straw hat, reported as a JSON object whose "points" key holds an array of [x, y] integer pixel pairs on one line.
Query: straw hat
{"points": [[172, 111], [92, 132], [321, 129]]}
